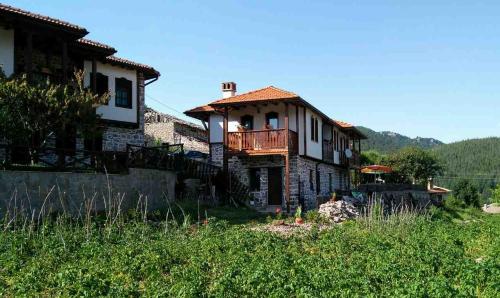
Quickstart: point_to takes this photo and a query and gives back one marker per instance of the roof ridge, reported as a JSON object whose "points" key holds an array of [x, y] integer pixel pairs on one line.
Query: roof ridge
{"points": [[252, 92], [38, 16]]}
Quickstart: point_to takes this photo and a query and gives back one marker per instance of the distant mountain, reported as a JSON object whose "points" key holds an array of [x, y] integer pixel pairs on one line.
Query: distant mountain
{"points": [[477, 160], [388, 141]]}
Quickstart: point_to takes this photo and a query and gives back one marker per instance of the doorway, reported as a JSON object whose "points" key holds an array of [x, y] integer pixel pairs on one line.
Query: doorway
{"points": [[275, 186]]}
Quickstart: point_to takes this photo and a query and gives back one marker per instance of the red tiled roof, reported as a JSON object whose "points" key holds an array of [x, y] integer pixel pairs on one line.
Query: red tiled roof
{"points": [[201, 109], [270, 93], [343, 124], [95, 44], [52, 21], [150, 71], [439, 190]]}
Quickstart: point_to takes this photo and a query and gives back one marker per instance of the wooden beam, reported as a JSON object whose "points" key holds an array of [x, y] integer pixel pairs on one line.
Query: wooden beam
{"points": [[305, 132], [287, 159], [94, 75]]}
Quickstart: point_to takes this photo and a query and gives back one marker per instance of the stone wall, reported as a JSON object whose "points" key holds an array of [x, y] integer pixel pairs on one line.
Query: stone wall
{"points": [[71, 190], [216, 154], [172, 130]]}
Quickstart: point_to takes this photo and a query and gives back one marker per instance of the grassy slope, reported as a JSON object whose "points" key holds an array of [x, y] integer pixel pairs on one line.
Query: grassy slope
{"points": [[412, 258]]}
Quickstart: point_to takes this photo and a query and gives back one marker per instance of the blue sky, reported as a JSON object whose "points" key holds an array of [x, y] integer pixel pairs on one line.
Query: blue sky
{"points": [[419, 68]]}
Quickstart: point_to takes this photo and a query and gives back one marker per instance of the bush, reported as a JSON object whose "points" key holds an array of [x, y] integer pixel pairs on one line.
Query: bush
{"points": [[467, 193], [495, 195], [315, 216]]}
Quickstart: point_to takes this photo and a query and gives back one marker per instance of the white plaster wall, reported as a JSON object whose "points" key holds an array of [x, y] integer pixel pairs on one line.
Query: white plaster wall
{"points": [[7, 51], [216, 123], [259, 116], [301, 130], [110, 111], [314, 149]]}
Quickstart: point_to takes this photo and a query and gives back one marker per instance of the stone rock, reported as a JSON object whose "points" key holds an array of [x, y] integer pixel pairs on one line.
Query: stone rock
{"points": [[338, 211]]}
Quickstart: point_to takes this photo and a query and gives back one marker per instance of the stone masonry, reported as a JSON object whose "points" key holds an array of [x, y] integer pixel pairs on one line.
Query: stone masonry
{"points": [[169, 129]]}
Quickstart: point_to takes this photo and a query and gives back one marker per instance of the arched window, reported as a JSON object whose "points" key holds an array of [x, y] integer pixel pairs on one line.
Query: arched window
{"points": [[247, 122], [272, 120]]}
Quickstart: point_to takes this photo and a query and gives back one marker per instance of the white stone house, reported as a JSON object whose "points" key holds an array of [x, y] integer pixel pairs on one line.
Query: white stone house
{"points": [[283, 148], [44, 48]]}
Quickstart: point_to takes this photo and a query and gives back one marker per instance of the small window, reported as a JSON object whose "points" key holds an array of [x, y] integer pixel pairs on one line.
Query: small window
{"points": [[318, 183], [123, 93], [102, 83], [254, 179], [272, 121], [247, 122], [311, 177], [314, 129]]}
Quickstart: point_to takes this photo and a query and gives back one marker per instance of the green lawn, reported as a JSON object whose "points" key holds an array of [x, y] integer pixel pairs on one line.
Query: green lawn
{"points": [[420, 257]]}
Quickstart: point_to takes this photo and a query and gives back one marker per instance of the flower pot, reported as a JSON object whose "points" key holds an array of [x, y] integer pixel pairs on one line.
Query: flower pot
{"points": [[299, 220]]}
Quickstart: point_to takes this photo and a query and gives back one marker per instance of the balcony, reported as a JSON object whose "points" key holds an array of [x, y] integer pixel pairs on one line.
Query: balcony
{"points": [[262, 141], [339, 157]]}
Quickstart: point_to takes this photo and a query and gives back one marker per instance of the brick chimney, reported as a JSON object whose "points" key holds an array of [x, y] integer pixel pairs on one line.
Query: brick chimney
{"points": [[228, 89]]}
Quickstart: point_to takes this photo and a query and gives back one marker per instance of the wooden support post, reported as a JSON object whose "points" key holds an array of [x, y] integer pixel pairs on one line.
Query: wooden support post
{"points": [[65, 62], [28, 56], [225, 166], [287, 159], [93, 77]]}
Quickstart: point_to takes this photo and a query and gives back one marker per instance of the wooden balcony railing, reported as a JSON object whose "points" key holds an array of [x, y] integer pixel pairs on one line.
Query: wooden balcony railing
{"points": [[261, 140]]}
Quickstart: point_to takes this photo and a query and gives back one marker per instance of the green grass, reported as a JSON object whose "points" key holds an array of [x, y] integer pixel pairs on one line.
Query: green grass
{"points": [[418, 258]]}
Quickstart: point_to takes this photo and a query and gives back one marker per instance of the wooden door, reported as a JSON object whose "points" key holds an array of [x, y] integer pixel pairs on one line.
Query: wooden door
{"points": [[275, 186]]}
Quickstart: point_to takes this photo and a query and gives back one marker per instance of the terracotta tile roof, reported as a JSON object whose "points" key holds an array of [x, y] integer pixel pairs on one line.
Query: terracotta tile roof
{"points": [[438, 190], [270, 93], [343, 124], [52, 21], [201, 109], [150, 71], [92, 43]]}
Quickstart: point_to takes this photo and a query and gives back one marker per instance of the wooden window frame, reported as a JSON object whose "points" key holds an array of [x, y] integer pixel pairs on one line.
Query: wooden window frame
{"points": [[247, 117], [272, 115], [118, 82]]}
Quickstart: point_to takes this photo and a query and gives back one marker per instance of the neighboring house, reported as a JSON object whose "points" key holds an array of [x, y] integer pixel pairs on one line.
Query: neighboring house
{"points": [[167, 129], [46, 48], [283, 148]]}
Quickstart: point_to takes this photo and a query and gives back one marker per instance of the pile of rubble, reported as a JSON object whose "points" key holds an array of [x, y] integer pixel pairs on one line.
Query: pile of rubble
{"points": [[338, 211]]}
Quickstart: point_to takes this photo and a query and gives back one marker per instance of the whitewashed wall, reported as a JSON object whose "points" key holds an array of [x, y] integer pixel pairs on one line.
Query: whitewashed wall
{"points": [[7, 51], [216, 123], [259, 116], [314, 149], [110, 111]]}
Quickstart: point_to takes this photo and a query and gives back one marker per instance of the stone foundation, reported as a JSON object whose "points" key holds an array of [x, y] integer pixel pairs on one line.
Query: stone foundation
{"points": [[116, 138], [217, 154]]}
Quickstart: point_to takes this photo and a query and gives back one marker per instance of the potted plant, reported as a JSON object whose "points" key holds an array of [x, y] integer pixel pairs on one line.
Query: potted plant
{"points": [[298, 216], [334, 197]]}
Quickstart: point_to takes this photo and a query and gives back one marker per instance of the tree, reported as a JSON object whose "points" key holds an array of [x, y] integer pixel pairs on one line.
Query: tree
{"points": [[495, 194], [371, 157], [29, 111], [467, 193], [414, 165]]}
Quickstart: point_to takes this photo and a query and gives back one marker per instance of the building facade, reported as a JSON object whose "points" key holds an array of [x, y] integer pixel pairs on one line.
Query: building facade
{"points": [[48, 49], [284, 149]]}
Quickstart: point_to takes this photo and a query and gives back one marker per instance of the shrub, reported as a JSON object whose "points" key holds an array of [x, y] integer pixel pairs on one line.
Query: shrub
{"points": [[467, 193]]}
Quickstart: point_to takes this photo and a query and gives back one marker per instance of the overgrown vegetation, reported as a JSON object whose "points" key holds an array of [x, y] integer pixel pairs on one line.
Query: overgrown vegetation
{"points": [[411, 256]]}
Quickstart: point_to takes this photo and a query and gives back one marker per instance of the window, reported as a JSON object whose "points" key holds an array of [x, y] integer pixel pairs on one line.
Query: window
{"points": [[102, 84], [318, 182], [272, 120], [311, 184], [247, 122], [314, 129], [254, 179], [123, 93]]}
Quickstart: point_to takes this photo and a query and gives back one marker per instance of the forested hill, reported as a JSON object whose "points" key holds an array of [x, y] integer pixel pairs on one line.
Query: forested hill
{"points": [[477, 160], [386, 141]]}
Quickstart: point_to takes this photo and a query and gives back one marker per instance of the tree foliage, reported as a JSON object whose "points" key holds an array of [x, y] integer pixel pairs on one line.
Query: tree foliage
{"points": [[414, 165], [467, 193], [30, 110], [495, 194]]}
